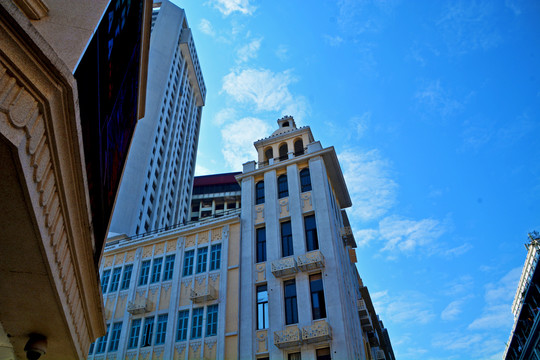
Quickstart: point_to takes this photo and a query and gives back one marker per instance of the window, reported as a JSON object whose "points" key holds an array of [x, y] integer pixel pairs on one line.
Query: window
{"points": [[261, 244], [291, 308], [262, 307], [294, 356], [102, 342], [134, 334], [188, 262], [286, 239], [148, 331], [115, 279], [323, 354], [311, 233], [126, 278], [161, 329], [156, 270], [283, 188], [318, 308], [215, 257], [211, 320], [145, 270], [105, 280], [202, 258], [181, 333], [283, 150], [91, 350], [169, 267], [115, 336], [305, 180], [196, 323], [259, 193], [298, 147]]}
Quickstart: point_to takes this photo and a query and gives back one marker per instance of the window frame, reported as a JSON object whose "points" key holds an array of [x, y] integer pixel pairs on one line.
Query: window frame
{"points": [[202, 260], [105, 276], [283, 186], [101, 344], [183, 328], [168, 270], [115, 336], [161, 329], [262, 307], [157, 266], [197, 322], [215, 257], [290, 302], [260, 248], [312, 239], [126, 276], [316, 289], [286, 239], [211, 320], [305, 185], [115, 279], [189, 259], [145, 273], [133, 340], [259, 192]]}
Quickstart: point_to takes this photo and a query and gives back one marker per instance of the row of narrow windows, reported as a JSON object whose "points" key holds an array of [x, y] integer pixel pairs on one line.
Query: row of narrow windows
{"points": [[310, 230], [283, 186], [284, 151], [161, 269], [290, 301], [142, 334]]}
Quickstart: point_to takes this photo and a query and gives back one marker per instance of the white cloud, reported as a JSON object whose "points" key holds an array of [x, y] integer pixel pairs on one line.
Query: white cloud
{"points": [[368, 179], [462, 285], [269, 91], [365, 236], [456, 251], [282, 52], [224, 115], [409, 307], [361, 123], [229, 6], [206, 27], [452, 311], [333, 40], [202, 170], [249, 51], [238, 138], [407, 235], [437, 99], [497, 310]]}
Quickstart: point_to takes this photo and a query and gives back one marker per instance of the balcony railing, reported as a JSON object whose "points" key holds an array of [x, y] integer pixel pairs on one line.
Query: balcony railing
{"points": [[137, 307], [207, 293], [285, 266], [380, 355], [288, 337], [310, 261], [362, 309], [347, 236], [317, 332], [365, 321], [373, 338]]}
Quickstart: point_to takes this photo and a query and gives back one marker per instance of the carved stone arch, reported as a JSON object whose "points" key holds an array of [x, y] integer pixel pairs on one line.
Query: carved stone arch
{"points": [[298, 147], [268, 153]]}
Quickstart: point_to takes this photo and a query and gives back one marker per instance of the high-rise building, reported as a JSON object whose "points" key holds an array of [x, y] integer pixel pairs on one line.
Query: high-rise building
{"points": [[524, 342], [275, 279], [158, 177], [57, 57]]}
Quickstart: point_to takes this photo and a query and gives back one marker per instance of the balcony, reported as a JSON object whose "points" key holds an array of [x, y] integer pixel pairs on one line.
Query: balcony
{"points": [[362, 309], [380, 355], [207, 293], [137, 307], [288, 337], [317, 332], [285, 266], [347, 236], [365, 321], [373, 338], [310, 261]]}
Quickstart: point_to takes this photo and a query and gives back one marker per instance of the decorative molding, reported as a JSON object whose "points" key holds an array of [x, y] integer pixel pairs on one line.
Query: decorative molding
{"points": [[214, 276], [186, 283], [180, 348], [200, 279], [195, 345], [260, 267], [34, 9], [166, 286], [130, 355], [210, 343], [153, 289]]}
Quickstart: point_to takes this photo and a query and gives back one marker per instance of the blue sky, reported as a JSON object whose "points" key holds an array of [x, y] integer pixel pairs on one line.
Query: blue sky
{"points": [[433, 108]]}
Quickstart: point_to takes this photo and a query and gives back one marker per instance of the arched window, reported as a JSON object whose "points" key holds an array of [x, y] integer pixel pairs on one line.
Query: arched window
{"points": [[305, 180], [259, 193], [283, 188], [283, 150], [268, 154], [298, 147]]}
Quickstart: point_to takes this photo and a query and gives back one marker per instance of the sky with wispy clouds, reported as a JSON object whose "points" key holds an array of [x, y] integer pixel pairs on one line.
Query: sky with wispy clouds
{"points": [[433, 108]]}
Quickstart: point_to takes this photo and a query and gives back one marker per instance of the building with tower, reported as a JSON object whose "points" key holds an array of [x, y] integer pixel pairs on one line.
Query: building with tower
{"points": [[272, 279], [158, 176]]}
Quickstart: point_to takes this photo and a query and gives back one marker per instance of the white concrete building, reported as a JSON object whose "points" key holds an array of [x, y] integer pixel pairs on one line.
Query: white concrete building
{"points": [[158, 176]]}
